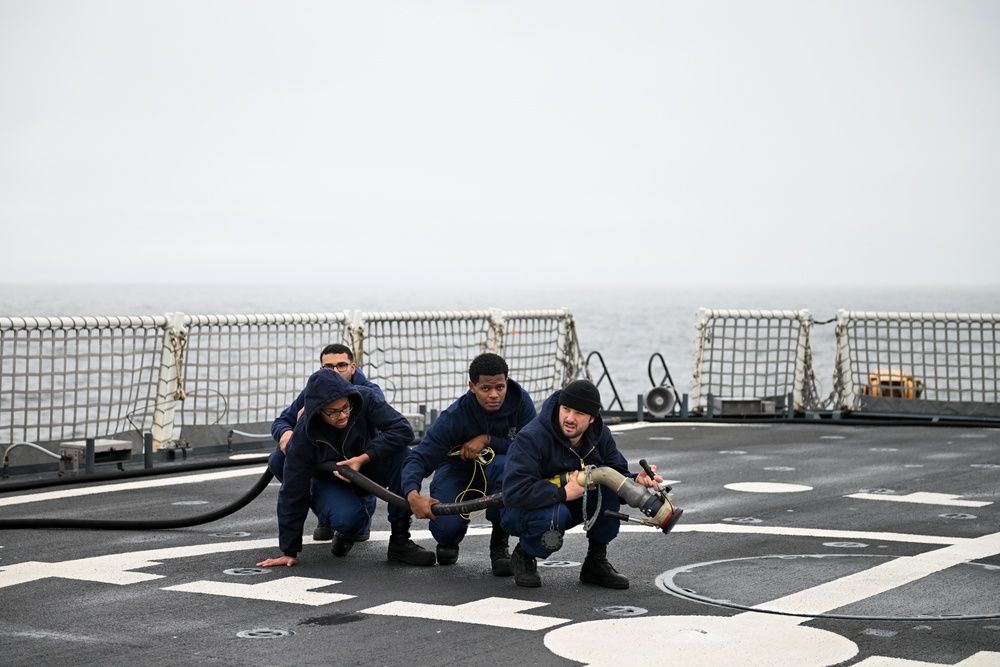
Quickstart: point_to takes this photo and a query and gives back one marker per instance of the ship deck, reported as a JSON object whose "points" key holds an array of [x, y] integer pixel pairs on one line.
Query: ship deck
{"points": [[801, 544]]}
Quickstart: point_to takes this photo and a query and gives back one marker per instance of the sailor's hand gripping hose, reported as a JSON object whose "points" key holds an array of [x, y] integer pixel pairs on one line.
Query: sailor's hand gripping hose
{"points": [[657, 506]]}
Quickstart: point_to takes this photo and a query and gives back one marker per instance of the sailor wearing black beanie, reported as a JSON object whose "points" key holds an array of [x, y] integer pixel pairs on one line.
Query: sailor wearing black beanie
{"points": [[582, 396]]}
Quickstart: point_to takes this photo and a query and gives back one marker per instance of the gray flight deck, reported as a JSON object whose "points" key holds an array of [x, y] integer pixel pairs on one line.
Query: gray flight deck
{"points": [[801, 544]]}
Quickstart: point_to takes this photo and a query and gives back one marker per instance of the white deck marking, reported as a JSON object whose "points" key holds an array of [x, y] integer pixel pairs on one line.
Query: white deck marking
{"points": [[922, 497], [981, 659], [752, 639], [116, 568], [806, 532], [295, 590], [131, 486], [767, 487], [762, 640], [881, 578], [494, 611]]}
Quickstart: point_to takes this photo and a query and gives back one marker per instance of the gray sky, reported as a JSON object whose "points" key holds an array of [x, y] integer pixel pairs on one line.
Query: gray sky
{"points": [[571, 142]]}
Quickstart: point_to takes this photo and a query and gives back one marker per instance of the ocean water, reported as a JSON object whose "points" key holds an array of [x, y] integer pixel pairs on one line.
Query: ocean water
{"points": [[626, 325]]}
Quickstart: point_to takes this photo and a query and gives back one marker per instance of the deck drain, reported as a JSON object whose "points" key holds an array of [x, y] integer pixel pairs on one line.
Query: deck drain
{"points": [[558, 563], [780, 468], [190, 502], [238, 533], [883, 449], [845, 545], [621, 611], [264, 633], [733, 451], [877, 491], [742, 519], [957, 515], [989, 466], [246, 571]]}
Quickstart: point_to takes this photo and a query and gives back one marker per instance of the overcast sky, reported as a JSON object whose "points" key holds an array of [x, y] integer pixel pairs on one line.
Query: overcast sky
{"points": [[500, 142]]}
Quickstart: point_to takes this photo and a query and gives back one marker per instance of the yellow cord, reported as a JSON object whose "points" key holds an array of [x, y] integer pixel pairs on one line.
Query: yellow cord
{"points": [[485, 457]]}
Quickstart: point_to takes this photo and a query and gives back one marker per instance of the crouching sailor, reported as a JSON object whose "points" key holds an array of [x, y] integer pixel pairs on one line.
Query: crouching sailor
{"points": [[542, 497], [354, 427]]}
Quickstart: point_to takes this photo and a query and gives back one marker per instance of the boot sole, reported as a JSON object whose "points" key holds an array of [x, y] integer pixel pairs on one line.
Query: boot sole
{"points": [[410, 561], [598, 582]]}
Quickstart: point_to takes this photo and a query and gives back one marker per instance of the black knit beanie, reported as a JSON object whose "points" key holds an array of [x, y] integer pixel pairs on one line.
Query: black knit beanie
{"points": [[582, 396]]}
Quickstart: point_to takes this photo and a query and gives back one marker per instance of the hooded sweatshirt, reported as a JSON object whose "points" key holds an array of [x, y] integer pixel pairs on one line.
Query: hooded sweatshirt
{"points": [[287, 419], [373, 428], [460, 422], [541, 451]]}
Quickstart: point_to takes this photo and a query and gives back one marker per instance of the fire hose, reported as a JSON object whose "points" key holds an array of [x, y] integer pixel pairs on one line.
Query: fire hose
{"points": [[658, 506]]}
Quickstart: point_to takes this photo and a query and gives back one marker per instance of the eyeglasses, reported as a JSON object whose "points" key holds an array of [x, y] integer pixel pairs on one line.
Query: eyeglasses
{"points": [[342, 366], [333, 413]]}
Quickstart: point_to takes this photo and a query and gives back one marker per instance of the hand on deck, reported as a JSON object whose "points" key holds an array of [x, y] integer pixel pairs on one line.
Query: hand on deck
{"points": [[274, 562]]}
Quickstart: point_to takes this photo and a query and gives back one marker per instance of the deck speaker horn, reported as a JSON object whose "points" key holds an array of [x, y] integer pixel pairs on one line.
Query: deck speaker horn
{"points": [[660, 401]]}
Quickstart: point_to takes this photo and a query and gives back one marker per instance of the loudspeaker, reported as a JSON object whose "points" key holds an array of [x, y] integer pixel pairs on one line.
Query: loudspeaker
{"points": [[660, 401]]}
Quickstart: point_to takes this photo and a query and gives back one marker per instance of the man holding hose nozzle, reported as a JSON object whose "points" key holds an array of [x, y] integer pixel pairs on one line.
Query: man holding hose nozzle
{"points": [[351, 426], [542, 497]]}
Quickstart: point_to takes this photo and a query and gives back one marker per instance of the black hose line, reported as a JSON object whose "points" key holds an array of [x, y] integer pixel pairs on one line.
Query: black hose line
{"points": [[439, 509], [353, 475], [100, 524]]}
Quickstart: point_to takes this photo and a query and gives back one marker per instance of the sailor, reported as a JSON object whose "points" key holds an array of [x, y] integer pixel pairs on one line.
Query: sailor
{"points": [[354, 427], [336, 357], [465, 449], [542, 498]]}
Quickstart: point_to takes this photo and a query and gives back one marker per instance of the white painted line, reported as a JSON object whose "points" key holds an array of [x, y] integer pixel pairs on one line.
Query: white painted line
{"points": [[981, 659], [806, 532], [172, 480], [885, 577], [922, 497], [767, 487], [294, 590], [634, 426], [494, 611]]}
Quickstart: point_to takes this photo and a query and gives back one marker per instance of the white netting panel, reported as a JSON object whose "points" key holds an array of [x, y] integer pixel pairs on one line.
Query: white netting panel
{"points": [[755, 354], [542, 351], [74, 378], [948, 357], [245, 369], [422, 359], [95, 377]]}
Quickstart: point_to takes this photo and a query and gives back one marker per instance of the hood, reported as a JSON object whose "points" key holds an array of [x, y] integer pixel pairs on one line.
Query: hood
{"points": [[324, 387]]}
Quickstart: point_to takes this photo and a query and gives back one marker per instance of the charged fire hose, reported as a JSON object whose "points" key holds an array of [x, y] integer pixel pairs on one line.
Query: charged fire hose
{"points": [[658, 507], [265, 479]]}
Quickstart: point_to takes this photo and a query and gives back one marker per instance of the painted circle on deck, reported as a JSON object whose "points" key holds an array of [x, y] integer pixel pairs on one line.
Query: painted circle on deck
{"points": [[767, 487], [749, 640]]}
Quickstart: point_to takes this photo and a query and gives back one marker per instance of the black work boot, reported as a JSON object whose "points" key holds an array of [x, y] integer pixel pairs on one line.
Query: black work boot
{"points": [[499, 556], [524, 568], [597, 570], [342, 543], [322, 533], [447, 554], [404, 550]]}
